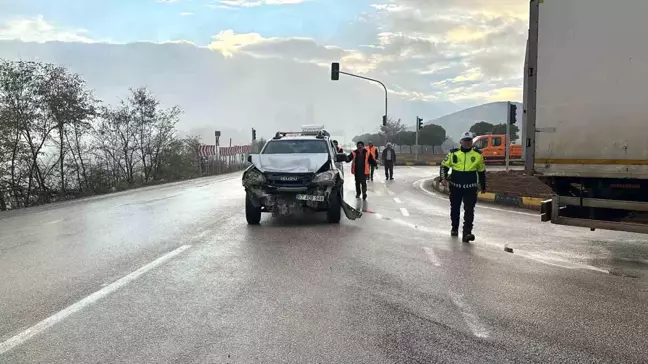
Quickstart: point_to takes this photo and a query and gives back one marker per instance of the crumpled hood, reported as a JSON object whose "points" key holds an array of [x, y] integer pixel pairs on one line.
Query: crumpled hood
{"points": [[289, 163]]}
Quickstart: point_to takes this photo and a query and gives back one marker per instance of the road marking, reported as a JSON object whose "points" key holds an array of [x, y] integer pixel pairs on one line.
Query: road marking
{"points": [[432, 256], [558, 262], [419, 184], [53, 222], [40, 327], [397, 200], [411, 167], [469, 316], [404, 211], [378, 192], [391, 192], [382, 181]]}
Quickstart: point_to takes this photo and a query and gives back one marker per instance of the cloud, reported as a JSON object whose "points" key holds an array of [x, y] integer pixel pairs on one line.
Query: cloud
{"points": [[36, 29], [186, 14], [435, 56], [254, 3], [167, 1]]}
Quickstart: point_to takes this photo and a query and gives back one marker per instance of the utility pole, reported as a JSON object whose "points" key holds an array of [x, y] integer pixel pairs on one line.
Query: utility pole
{"points": [[511, 118], [335, 75], [217, 135], [419, 126]]}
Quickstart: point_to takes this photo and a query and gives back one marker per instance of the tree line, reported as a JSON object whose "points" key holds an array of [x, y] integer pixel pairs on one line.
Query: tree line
{"points": [[396, 132], [434, 135], [57, 141]]}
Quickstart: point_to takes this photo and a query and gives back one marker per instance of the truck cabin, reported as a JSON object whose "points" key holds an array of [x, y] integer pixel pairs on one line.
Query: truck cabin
{"points": [[493, 147]]}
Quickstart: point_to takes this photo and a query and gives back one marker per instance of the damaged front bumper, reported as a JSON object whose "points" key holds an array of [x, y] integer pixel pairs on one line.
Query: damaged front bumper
{"points": [[288, 201], [295, 199]]}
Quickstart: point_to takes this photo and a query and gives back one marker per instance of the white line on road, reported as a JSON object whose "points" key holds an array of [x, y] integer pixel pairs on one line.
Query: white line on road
{"points": [[412, 167], [432, 256], [53, 222], [22, 337], [419, 185], [391, 192], [469, 316], [404, 211], [397, 200]]}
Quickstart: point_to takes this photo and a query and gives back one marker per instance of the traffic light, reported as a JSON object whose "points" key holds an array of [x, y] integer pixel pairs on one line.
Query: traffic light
{"points": [[419, 123], [253, 134], [335, 71], [384, 120], [512, 114]]}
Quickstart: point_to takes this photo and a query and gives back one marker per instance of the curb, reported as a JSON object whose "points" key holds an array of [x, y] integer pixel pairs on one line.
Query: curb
{"points": [[530, 203], [418, 163]]}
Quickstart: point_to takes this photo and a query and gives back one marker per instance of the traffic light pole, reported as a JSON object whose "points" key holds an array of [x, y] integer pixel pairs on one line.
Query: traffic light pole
{"points": [[372, 80], [507, 150]]}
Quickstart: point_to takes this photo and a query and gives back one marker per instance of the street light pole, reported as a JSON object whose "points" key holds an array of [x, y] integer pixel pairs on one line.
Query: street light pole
{"points": [[335, 75], [372, 80]]}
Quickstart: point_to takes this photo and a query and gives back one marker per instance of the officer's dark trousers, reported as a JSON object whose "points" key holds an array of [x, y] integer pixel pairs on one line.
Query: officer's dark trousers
{"points": [[389, 169], [361, 184], [469, 198]]}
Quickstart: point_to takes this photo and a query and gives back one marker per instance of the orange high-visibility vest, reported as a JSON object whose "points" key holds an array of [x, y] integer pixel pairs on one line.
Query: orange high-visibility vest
{"points": [[366, 167], [372, 150]]}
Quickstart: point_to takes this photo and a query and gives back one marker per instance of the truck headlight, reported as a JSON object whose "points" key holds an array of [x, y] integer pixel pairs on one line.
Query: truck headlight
{"points": [[325, 177]]}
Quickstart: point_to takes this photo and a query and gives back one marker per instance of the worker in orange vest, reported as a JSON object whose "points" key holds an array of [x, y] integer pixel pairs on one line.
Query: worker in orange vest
{"points": [[361, 162], [374, 153]]}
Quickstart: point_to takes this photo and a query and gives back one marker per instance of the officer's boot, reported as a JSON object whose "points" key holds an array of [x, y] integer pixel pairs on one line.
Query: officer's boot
{"points": [[454, 232], [467, 237]]}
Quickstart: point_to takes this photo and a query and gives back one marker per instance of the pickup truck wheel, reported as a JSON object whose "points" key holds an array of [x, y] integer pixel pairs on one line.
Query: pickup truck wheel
{"points": [[334, 213], [252, 213]]}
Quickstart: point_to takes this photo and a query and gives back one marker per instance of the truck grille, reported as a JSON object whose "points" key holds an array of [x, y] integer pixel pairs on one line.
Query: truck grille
{"points": [[289, 179]]}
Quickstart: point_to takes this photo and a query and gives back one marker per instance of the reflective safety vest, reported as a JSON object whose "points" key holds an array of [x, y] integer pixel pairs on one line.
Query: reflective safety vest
{"points": [[465, 167], [373, 151], [367, 170]]}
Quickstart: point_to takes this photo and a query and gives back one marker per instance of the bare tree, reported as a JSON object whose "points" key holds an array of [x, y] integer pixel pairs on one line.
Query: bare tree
{"points": [[69, 105], [391, 130]]}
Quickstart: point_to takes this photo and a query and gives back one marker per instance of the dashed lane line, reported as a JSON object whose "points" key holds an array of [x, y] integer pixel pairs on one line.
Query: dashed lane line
{"points": [[397, 200], [404, 211], [469, 316], [40, 327], [432, 256]]}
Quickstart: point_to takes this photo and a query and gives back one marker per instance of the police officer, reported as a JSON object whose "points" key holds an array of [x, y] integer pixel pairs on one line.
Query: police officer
{"points": [[468, 173]]}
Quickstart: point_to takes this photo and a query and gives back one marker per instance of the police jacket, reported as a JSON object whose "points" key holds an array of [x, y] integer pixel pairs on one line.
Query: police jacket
{"points": [[468, 170]]}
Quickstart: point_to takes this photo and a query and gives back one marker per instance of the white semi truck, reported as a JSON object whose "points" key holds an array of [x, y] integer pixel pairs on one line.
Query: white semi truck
{"points": [[586, 111]]}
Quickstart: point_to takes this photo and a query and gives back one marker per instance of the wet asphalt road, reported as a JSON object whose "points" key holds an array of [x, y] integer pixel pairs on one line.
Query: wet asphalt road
{"points": [[173, 274]]}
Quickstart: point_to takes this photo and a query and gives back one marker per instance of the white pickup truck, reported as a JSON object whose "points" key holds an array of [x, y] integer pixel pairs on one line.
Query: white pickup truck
{"points": [[586, 111]]}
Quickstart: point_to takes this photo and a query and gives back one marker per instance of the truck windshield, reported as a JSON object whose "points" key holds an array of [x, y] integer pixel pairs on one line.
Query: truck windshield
{"points": [[296, 146]]}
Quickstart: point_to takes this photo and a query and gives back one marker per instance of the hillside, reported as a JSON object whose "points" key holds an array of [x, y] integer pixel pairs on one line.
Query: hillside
{"points": [[460, 122]]}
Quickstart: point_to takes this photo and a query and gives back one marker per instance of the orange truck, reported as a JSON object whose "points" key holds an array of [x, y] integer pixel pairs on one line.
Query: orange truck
{"points": [[493, 148]]}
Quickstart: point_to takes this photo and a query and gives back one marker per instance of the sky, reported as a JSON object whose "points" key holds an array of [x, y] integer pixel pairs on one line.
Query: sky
{"points": [[435, 56]]}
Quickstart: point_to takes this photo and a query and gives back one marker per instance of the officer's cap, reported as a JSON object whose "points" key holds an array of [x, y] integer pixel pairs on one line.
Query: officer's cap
{"points": [[467, 136]]}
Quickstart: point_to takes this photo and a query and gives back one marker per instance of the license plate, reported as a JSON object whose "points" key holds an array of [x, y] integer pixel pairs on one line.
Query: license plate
{"points": [[310, 198]]}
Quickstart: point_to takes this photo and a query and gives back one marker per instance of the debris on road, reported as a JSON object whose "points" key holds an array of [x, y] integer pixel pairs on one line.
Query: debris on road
{"points": [[350, 212], [508, 250], [516, 183]]}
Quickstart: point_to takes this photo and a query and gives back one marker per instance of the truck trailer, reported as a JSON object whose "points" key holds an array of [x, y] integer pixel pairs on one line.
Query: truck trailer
{"points": [[586, 111]]}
